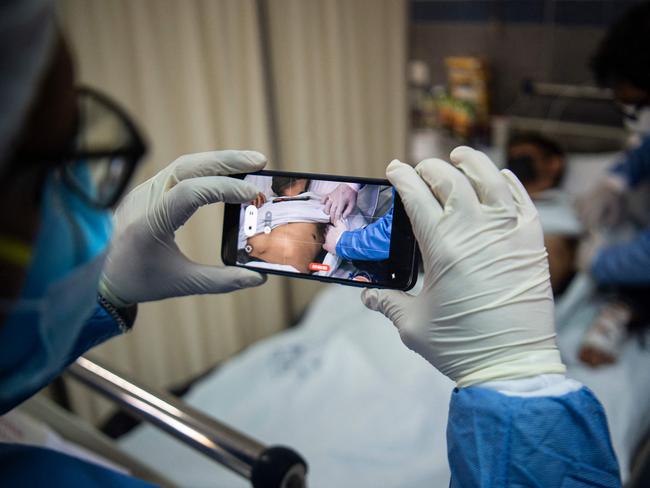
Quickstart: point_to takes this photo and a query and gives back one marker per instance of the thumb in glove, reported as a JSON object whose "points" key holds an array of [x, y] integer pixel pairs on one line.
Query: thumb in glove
{"points": [[144, 262]]}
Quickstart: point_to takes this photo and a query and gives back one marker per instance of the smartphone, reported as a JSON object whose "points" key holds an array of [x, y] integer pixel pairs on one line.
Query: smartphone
{"points": [[347, 230]]}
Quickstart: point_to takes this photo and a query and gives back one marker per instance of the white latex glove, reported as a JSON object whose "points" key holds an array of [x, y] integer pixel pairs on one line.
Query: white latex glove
{"points": [[603, 206], [485, 311], [340, 202], [144, 263], [332, 236]]}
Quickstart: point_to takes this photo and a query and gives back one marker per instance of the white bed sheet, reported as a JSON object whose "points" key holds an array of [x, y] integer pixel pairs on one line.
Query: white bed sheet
{"points": [[361, 408], [340, 389]]}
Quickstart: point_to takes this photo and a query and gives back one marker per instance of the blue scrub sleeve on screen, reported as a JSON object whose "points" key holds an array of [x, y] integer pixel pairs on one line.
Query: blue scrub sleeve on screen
{"points": [[371, 243], [635, 168], [627, 263], [22, 465], [100, 327], [496, 440]]}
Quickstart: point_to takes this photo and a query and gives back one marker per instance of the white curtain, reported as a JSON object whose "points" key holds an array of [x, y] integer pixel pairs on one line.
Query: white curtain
{"points": [[194, 75], [338, 70]]}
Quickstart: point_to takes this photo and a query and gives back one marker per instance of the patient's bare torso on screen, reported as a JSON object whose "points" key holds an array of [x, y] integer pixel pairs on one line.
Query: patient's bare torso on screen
{"points": [[296, 244]]}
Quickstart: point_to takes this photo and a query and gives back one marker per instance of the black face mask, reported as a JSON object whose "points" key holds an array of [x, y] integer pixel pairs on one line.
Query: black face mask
{"points": [[523, 167]]}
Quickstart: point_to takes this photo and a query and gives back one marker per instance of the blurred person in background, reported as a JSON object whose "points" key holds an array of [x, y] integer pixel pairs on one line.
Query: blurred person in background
{"points": [[622, 63], [540, 164], [64, 290]]}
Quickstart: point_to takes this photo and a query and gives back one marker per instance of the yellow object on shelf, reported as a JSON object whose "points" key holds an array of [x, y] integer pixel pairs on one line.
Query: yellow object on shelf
{"points": [[468, 80]]}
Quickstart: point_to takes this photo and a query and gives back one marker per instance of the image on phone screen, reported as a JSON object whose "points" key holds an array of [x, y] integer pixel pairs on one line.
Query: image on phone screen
{"points": [[318, 227]]}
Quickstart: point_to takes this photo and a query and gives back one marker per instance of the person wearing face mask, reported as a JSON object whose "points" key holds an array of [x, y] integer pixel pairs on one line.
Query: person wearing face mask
{"points": [[64, 289], [622, 63], [540, 163]]}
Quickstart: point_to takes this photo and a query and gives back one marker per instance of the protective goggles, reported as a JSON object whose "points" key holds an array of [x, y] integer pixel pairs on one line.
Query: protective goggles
{"points": [[108, 146]]}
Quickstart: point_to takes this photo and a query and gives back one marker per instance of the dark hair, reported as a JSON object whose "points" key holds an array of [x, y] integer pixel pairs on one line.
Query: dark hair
{"points": [[624, 52], [546, 145], [281, 183]]}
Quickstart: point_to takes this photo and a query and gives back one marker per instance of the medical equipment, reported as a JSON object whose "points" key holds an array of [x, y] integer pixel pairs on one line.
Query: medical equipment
{"points": [[373, 245], [265, 467]]}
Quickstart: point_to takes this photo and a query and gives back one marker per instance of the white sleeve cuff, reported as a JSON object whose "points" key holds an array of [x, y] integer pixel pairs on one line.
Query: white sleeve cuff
{"points": [[534, 386]]}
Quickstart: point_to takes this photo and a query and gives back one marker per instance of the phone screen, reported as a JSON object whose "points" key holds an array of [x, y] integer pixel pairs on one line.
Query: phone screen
{"points": [[322, 228]]}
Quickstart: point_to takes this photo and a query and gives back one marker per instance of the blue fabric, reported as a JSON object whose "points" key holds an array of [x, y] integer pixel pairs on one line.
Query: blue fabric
{"points": [[628, 263], [500, 441], [25, 466], [624, 264], [635, 167], [97, 329], [41, 327], [371, 243], [71, 233]]}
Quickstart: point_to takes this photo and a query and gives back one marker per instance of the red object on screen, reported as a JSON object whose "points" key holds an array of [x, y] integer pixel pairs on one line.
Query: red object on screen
{"points": [[319, 267]]}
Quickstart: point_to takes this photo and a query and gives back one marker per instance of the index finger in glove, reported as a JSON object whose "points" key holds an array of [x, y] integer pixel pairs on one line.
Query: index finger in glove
{"points": [[347, 210], [422, 208], [186, 197], [216, 163], [450, 187], [490, 186], [336, 210], [524, 204]]}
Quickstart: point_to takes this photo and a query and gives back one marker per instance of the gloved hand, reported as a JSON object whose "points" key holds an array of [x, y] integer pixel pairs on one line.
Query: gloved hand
{"points": [[144, 263], [485, 311], [332, 236], [340, 202], [603, 206]]}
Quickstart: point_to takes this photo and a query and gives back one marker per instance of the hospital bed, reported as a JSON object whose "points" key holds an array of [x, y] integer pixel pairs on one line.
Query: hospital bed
{"points": [[363, 409], [342, 389]]}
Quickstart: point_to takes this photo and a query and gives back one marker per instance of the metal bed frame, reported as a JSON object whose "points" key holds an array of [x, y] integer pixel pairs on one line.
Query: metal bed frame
{"points": [[265, 467]]}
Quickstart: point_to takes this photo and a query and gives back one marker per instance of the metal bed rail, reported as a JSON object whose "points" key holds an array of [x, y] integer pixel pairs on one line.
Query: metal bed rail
{"points": [[565, 90], [265, 467]]}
